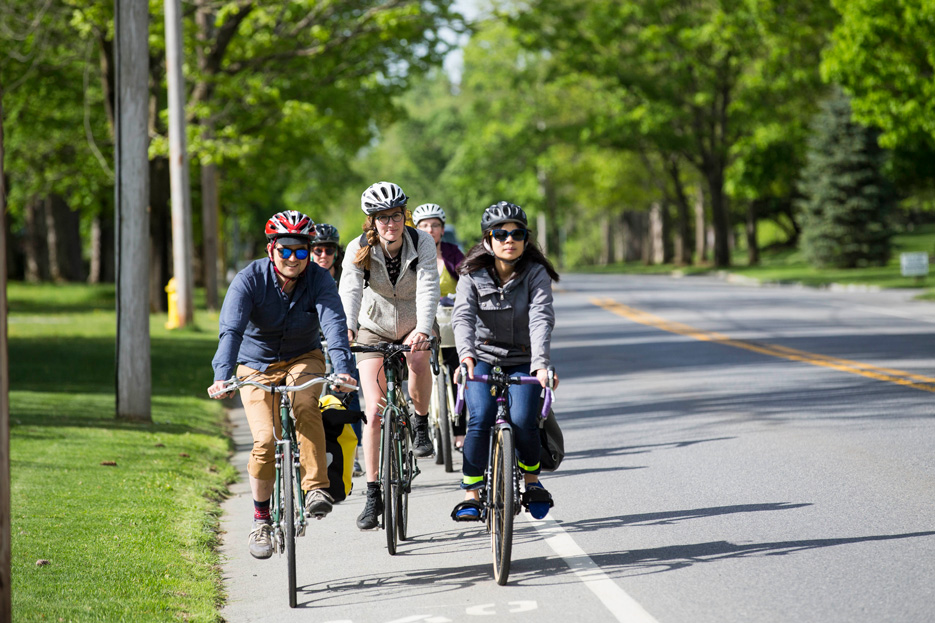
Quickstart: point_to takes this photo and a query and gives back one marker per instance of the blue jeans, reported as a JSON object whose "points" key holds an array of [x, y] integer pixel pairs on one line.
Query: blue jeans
{"points": [[482, 409]]}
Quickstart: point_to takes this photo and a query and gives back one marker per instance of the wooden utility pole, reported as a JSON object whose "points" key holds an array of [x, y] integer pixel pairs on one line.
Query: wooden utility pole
{"points": [[178, 168], [6, 597], [131, 52]]}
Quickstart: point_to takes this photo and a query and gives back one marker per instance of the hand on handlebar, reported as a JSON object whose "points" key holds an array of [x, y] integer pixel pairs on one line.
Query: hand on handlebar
{"points": [[543, 375], [468, 366], [418, 341], [346, 381], [219, 386]]}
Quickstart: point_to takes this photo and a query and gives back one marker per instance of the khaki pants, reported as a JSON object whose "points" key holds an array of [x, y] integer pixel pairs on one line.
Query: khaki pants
{"points": [[259, 405]]}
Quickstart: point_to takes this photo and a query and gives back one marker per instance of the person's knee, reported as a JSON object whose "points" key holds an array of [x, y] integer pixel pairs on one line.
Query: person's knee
{"points": [[419, 363]]}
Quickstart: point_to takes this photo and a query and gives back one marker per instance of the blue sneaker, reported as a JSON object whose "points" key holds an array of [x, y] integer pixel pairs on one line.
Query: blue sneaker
{"points": [[537, 500]]}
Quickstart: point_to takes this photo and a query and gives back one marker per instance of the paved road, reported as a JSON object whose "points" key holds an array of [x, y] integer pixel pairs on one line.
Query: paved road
{"points": [[735, 454]]}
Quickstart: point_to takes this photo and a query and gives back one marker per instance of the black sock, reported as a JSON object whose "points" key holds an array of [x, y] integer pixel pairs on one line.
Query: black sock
{"points": [[373, 486], [422, 421]]}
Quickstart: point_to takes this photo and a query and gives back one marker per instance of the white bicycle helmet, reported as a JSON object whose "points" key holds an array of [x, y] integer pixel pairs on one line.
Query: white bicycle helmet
{"points": [[428, 210], [382, 196]]}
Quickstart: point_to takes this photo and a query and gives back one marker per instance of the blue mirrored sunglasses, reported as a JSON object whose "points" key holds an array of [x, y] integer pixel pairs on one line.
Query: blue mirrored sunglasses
{"points": [[500, 235], [300, 254]]}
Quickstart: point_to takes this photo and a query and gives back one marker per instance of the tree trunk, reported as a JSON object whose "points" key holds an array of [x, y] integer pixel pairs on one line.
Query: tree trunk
{"points": [[682, 250], [102, 249], [701, 229], [212, 261], [657, 243], [619, 239], [134, 377], [159, 223], [607, 241], [6, 598], [63, 240], [753, 249], [182, 243], [720, 216], [34, 243]]}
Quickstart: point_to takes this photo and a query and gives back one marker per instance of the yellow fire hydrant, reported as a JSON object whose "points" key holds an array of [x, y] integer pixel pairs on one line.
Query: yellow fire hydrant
{"points": [[173, 322]]}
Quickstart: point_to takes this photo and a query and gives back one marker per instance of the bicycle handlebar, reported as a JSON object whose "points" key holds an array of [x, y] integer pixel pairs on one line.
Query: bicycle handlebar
{"points": [[388, 349], [504, 380], [236, 383]]}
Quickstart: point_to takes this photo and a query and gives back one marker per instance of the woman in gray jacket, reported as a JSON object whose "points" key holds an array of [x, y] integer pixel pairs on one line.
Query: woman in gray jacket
{"points": [[389, 289], [503, 317]]}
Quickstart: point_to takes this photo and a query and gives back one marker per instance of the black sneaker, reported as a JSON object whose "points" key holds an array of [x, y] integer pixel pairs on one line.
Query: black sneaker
{"points": [[369, 518], [422, 444]]}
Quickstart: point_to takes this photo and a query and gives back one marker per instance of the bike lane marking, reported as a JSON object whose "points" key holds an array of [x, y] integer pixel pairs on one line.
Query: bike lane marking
{"points": [[899, 377], [621, 605]]}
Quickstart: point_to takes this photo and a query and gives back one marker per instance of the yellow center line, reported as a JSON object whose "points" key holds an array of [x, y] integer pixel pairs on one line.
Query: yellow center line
{"points": [[889, 375]]}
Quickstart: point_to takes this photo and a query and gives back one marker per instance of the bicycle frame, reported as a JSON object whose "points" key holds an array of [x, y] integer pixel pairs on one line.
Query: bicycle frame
{"points": [[287, 434]]}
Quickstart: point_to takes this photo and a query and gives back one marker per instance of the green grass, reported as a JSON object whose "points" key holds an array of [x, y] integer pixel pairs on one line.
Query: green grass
{"points": [[783, 265], [130, 542]]}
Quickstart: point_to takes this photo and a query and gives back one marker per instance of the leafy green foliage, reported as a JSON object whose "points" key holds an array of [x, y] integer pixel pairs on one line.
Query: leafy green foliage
{"points": [[847, 197], [882, 55]]}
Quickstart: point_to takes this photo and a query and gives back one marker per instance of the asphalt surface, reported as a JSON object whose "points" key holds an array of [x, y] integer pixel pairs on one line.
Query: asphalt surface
{"points": [[734, 454]]}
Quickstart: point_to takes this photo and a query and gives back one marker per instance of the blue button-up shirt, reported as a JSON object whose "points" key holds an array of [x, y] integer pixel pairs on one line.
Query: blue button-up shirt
{"points": [[260, 324]]}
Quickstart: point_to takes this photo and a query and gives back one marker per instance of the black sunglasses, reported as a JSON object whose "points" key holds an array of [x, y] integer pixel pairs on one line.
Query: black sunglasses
{"points": [[300, 254], [500, 235], [323, 250]]}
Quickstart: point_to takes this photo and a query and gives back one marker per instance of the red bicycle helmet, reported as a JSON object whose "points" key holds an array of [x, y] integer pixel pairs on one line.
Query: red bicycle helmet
{"points": [[290, 227]]}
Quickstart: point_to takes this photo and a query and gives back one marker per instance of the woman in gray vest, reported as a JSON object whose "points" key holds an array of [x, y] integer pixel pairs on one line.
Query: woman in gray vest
{"points": [[389, 289]]}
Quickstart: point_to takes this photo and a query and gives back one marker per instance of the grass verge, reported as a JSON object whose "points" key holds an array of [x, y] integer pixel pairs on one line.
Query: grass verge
{"points": [[125, 514]]}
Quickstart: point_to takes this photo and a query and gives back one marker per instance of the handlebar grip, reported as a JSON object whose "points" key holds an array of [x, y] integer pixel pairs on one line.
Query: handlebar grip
{"points": [[433, 357]]}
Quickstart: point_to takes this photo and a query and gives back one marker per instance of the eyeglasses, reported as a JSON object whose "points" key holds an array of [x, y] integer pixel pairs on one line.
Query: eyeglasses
{"points": [[300, 254], [396, 217], [431, 226], [323, 250], [500, 235]]}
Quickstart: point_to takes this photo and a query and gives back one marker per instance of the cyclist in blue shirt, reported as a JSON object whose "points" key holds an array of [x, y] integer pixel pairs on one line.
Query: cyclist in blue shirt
{"points": [[269, 325]]}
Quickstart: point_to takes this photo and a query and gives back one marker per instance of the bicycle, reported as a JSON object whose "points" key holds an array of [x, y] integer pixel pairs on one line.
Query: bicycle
{"points": [[398, 466], [442, 414], [500, 497], [287, 511]]}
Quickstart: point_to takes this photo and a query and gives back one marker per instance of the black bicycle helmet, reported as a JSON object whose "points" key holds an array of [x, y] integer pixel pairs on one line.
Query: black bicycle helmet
{"points": [[326, 234], [382, 196], [500, 213]]}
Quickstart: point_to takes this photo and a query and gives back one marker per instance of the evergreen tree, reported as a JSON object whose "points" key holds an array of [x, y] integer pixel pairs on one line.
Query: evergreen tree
{"points": [[847, 197]]}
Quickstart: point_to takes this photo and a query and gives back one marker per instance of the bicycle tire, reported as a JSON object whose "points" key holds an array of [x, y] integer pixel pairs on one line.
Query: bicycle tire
{"points": [[390, 479], [288, 515], [444, 420], [405, 483], [435, 422], [502, 505]]}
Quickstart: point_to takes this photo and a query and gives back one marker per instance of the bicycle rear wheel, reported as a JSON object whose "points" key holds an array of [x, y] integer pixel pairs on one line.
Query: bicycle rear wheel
{"points": [[288, 515], [502, 499], [390, 479], [444, 419]]}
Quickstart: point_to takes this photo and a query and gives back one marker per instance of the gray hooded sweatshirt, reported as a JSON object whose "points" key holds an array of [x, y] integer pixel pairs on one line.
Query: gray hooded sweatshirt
{"points": [[505, 325]]}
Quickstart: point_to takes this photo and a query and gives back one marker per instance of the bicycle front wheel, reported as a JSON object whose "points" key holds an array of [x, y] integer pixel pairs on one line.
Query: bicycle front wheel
{"points": [[287, 519], [502, 500], [390, 479], [405, 483]]}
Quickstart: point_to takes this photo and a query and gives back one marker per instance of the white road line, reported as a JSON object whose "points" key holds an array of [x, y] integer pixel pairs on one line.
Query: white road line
{"points": [[624, 608]]}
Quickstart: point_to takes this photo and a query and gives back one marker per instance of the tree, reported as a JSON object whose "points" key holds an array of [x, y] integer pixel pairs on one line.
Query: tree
{"points": [[847, 198], [881, 53], [691, 79]]}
